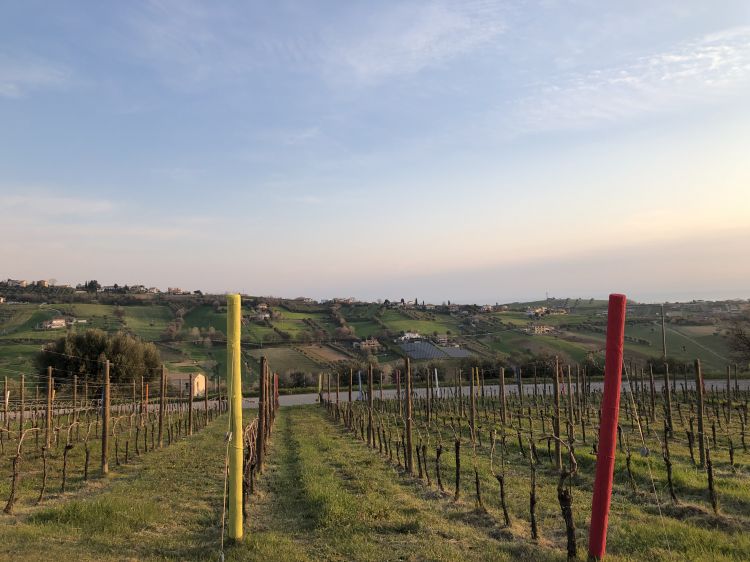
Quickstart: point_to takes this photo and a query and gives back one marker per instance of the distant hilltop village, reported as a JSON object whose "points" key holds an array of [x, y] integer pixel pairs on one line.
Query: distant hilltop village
{"points": [[90, 287]]}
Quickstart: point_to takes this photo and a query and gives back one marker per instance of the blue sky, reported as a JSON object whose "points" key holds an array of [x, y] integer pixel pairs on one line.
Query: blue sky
{"points": [[473, 151]]}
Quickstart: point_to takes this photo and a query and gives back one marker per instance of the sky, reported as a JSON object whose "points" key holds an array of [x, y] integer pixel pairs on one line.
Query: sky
{"points": [[473, 151]]}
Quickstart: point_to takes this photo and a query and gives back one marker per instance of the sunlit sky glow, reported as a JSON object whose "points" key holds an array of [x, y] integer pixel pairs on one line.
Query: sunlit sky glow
{"points": [[473, 151]]}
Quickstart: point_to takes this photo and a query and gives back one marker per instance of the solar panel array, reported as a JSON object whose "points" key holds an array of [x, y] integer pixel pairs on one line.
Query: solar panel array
{"points": [[424, 350]]}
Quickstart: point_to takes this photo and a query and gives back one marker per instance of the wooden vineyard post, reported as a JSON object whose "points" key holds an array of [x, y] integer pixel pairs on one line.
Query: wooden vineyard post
{"points": [[729, 394], [429, 394], [236, 443], [472, 407], [570, 407], [409, 460], [269, 404], [700, 413], [663, 336], [605, 459], [556, 419], [75, 398], [261, 434], [351, 374], [190, 407], [205, 397], [105, 420], [162, 404], [652, 391], [6, 403], [370, 425], [48, 423], [22, 408], [501, 378], [668, 398], [398, 394]]}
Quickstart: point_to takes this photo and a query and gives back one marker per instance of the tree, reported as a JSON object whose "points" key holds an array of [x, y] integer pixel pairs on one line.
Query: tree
{"points": [[84, 354], [739, 342]]}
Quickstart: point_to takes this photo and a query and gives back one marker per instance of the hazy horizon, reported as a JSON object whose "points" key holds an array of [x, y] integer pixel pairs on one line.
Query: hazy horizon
{"points": [[474, 152]]}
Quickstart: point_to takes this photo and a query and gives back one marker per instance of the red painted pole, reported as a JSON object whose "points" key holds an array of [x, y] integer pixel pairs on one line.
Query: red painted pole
{"points": [[605, 458]]}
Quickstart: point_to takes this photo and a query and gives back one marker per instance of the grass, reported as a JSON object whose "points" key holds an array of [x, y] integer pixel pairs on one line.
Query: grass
{"points": [[148, 322], [398, 322], [164, 506], [283, 359], [325, 496]]}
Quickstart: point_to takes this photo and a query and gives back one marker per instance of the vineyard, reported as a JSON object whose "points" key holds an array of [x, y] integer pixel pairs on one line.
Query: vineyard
{"points": [[452, 464]]}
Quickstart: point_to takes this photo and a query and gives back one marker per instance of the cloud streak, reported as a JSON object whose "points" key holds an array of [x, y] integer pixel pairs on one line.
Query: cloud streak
{"points": [[705, 70], [411, 38], [20, 75]]}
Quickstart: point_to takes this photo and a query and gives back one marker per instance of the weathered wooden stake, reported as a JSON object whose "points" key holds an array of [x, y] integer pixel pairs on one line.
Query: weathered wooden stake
{"points": [[105, 420]]}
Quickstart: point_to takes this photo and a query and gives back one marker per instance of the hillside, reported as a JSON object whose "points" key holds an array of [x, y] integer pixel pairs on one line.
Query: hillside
{"points": [[314, 337]]}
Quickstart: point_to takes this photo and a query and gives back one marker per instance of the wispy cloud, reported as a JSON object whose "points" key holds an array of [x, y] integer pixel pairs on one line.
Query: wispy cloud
{"points": [[47, 205], [192, 43], [708, 69], [20, 75], [412, 37]]}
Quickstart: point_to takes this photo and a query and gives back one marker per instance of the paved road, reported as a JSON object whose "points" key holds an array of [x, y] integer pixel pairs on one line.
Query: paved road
{"points": [[510, 388]]}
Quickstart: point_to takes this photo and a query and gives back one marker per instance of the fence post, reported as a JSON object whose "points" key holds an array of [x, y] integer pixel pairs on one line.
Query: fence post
{"points": [[105, 420], [235, 404], [605, 459]]}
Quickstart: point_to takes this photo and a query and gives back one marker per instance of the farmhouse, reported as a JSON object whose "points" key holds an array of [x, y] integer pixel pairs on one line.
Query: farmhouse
{"points": [[441, 339], [54, 324], [180, 382], [370, 343], [539, 329], [409, 336]]}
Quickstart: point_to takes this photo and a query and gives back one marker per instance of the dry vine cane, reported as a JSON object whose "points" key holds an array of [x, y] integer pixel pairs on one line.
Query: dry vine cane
{"points": [[16, 478], [565, 499], [500, 476]]}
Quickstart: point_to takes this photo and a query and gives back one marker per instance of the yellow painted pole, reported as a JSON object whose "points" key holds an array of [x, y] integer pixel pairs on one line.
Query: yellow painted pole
{"points": [[234, 385]]}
